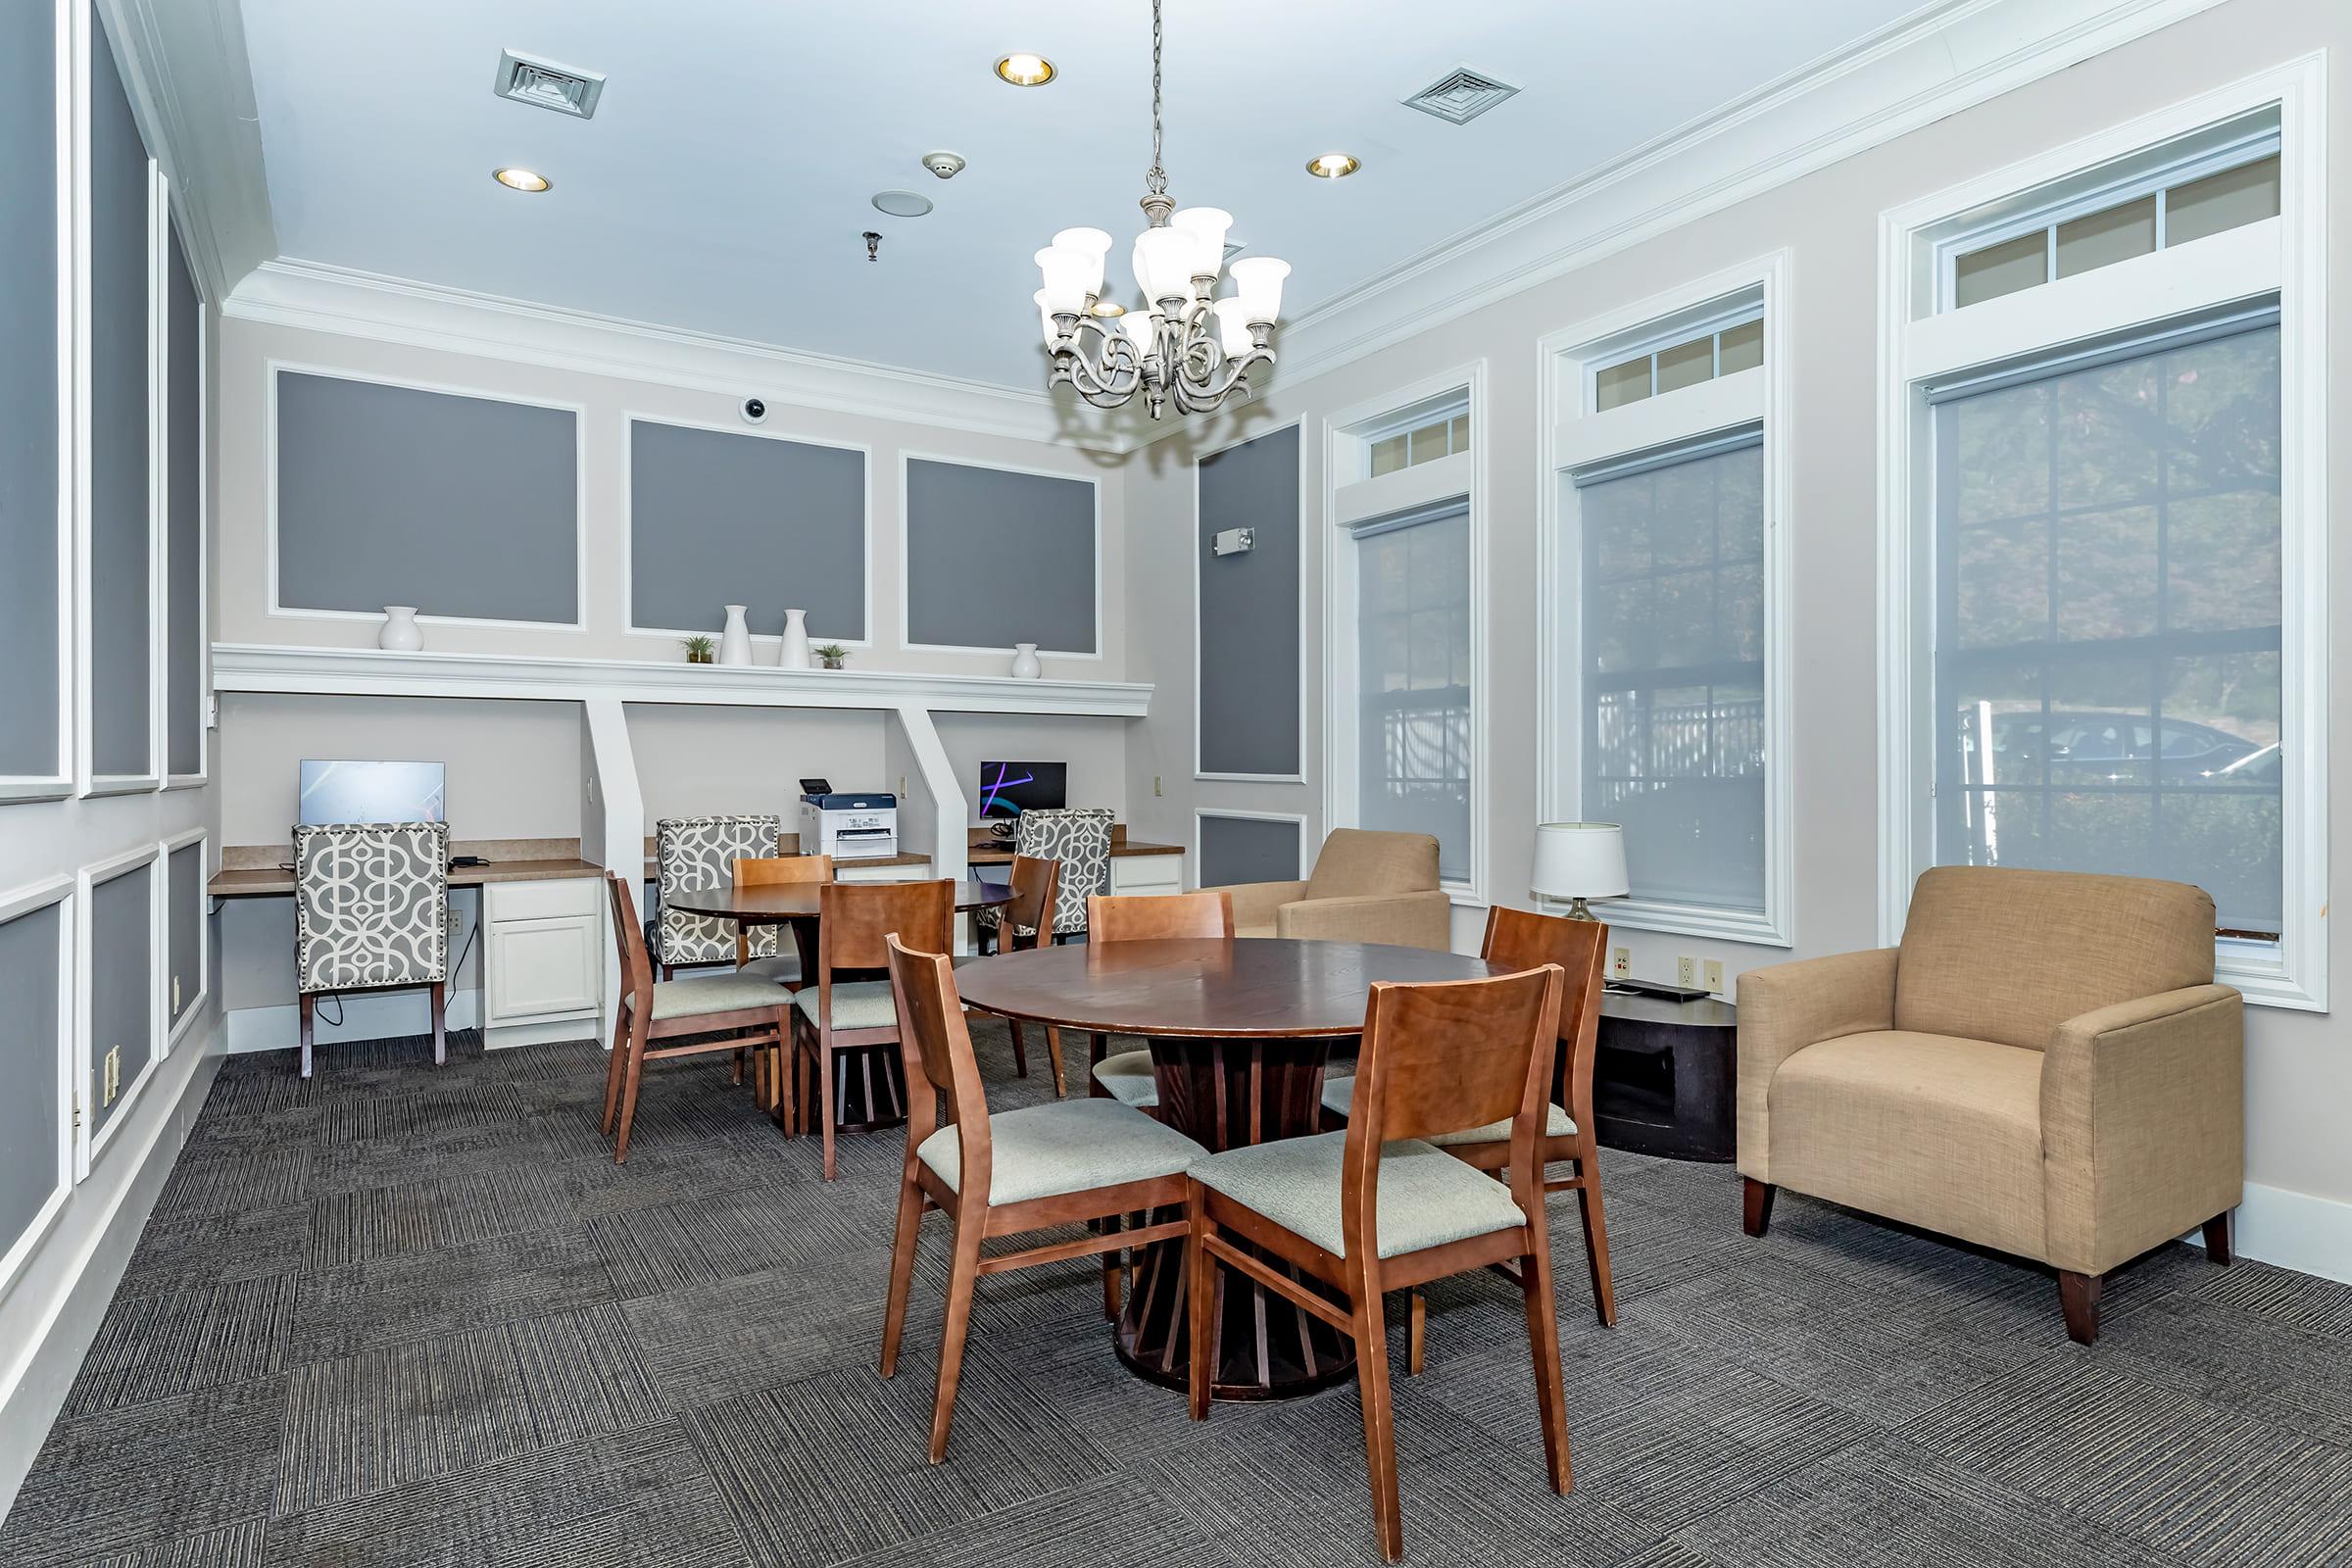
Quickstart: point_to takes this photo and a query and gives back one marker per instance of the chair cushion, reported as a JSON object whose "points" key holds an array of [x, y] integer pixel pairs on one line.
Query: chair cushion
{"points": [[856, 1004], [1339, 1097], [1928, 1129], [1065, 1146], [1355, 861], [1993, 953], [1427, 1197], [733, 992], [1128, 1076], [781, 968]]}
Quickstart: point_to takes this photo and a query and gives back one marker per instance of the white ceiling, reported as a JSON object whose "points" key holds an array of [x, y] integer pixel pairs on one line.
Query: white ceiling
{"points": [[724, 181]]}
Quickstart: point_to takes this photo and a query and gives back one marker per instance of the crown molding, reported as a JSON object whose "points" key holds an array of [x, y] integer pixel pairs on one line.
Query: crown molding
{"points": [[319, 297]]}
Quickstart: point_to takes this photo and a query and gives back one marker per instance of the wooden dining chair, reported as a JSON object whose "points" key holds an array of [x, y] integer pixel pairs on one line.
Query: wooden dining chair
{"points": [[1436, 1059], [1522, 939], [783, 965], [832, 1014], [1036, 888], [745, 1013], [1144, 918], [1041, 1167]]}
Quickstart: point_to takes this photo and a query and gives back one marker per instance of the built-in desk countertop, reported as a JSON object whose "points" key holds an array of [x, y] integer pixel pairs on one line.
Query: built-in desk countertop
{"points": [[984, 849], [260, 871]]}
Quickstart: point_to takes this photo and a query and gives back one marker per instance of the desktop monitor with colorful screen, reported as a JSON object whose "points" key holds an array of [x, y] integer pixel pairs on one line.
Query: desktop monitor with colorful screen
{"points": [[1008, 789]]}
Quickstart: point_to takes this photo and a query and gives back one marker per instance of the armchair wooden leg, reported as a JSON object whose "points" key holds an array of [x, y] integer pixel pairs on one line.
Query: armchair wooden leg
{"points": [[1380, 1428], [1758, 1199], [2217, 1240], [1596, 1241], [614, 1067], [309, 1004], [902, 1269], [962, 1276], [2079, 1295]]}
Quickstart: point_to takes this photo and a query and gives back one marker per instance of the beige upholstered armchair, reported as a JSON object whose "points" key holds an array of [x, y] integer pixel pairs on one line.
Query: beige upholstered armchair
{"points": [[2045, 1068], [1367, 887]]}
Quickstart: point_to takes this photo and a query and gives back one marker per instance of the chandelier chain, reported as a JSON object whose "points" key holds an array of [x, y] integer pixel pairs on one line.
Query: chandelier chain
{"points": [[1157, 180]]}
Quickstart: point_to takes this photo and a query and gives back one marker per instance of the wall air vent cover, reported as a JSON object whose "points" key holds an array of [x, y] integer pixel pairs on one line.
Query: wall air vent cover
{"points": [[544, 84], [1462, 95]]}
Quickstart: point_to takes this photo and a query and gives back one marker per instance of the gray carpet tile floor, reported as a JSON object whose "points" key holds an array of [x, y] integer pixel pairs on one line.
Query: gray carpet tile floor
{"points": [[399, 1315]]}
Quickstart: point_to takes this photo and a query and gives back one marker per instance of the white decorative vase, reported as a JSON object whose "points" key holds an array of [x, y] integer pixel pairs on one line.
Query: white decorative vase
{"points": [[735, 642], [1024, 662], [794, 655], [401, 632]]}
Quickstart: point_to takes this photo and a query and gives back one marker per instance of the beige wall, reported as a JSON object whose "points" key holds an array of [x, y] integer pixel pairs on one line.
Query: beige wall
{"points": [[2299, 1068]]}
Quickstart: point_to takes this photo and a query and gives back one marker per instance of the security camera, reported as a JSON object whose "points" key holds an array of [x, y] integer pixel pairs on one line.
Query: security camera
{"points": [[755, 411]]}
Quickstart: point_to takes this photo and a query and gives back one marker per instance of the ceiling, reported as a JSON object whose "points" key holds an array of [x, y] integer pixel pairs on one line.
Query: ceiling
{"points": [[725, 179]]}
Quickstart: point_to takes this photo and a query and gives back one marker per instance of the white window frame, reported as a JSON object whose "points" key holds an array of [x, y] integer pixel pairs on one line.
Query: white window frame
{"points": [[1673, 328], [1351, 495], [1576, 435], [1921, 345]]}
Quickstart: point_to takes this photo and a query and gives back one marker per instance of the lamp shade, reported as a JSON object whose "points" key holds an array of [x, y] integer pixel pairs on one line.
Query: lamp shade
{"points": [[1257, 279], [1579, 860], [1091, 243], [1163, 263], [1208, 226], [1233, 331], [1065, 273]]}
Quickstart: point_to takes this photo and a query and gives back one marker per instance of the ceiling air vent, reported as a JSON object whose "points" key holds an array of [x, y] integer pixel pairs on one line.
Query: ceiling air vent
{"points": [[544, 84], [1460, 96]]}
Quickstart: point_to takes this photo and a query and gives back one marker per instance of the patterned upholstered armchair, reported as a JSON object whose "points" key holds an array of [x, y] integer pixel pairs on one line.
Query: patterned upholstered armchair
{"points": [[372, 913], [1080, 838], [698, 851]]}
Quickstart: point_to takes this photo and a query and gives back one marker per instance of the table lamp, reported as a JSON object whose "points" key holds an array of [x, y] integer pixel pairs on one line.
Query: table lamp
{"points": [[1579, 860]]}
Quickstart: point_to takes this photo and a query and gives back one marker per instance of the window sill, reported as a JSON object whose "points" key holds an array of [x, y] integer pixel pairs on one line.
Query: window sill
{"points": [[1752, 926], [2261, 971]]}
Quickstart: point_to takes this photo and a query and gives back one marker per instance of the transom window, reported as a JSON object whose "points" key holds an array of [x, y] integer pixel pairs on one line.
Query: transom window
{"points": [[1686, 362], [1432, 434]]}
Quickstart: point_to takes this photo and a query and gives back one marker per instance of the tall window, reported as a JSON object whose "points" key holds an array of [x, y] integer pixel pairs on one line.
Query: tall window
{"points": [[2108, 619], [1412, 575], [1673, 666]]}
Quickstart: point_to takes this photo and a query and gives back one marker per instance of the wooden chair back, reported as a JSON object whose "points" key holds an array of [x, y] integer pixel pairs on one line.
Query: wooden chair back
{"points": [[1445, 1057], [1523, 939], [857, 920], [771, 871], [937, 1044], [1036, 890], [1146, 917], [636, 965]]}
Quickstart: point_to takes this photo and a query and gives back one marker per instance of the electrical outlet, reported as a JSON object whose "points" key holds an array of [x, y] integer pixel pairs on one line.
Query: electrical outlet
{"points": [[1156, 791], [114, 1076], [1685, 971], [1713, 973], [592, 789], [1621, 963]]}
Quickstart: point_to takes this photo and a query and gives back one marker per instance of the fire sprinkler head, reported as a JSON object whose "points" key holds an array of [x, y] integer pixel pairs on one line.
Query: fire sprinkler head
{"points": [[873, 246]]}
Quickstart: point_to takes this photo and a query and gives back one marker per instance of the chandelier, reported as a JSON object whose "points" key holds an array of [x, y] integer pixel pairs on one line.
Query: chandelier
{"points": [[1187, 346]]}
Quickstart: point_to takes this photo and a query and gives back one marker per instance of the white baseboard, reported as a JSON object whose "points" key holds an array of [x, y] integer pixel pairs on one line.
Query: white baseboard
{"points": [[541, 1033], [368, 1015], [2293, 1230], [50, 1316]]}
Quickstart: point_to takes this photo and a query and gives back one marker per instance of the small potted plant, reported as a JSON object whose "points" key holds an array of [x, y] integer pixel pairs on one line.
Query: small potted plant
{"points": [[698, 647], [835, 656]]}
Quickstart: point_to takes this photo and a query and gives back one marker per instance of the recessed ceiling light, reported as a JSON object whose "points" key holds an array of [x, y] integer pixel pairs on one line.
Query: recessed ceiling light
{"points": [[1110, 308], [902, 203], [1332, 166], [521, 179], [1026, 70]]}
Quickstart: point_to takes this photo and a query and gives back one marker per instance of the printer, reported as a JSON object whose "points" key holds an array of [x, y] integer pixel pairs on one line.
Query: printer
{"points": [[848, 825]]}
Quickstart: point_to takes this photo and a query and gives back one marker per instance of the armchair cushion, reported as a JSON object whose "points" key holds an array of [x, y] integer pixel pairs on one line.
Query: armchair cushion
{"points": [[1788, 1006], [1356, 860], [1404, 920], [1254, 905], [1995, 953], [1928, 1129]]}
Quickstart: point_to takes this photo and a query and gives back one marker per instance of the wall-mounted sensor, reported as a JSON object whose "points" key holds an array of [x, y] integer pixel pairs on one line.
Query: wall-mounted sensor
{"points": [[1233, 542], [946, 165], [755, 411]]}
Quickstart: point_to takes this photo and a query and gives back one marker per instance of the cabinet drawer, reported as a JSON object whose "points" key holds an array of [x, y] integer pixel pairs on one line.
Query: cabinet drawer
{"points": [[535, 969], [1146, 873], [539, 900]]}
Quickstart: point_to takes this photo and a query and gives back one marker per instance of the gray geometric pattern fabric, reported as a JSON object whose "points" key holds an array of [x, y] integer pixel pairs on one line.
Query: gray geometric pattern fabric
{"points": [[1339, 1097], [697, 852], [1079, 837], [409, 1319], [1065, 1147], [371, 904]]}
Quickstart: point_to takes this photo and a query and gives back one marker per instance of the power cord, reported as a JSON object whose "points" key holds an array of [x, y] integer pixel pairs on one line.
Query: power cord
{"points": [[454, 969]]}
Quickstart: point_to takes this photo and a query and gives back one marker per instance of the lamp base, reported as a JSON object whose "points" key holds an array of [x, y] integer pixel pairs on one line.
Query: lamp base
{"points": [[1581, 910]]}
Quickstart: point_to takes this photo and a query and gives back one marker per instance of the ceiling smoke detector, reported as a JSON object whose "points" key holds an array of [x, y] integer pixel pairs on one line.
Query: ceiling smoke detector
{"points": [[544, 84], [946, 165], [1462, 95]]}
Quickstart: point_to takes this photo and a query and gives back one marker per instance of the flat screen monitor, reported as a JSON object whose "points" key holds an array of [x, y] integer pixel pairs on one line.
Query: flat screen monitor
{"points": [[372, 791], [1008, 789]]}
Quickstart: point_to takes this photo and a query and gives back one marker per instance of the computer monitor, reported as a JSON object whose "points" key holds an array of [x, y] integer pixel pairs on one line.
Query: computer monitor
{"points": [[372, 791], [1008, 789]]}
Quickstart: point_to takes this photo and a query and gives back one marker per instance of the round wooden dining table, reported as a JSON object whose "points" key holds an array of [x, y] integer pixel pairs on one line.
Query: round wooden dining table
{"points": [[1239, 1031], [871, 1092]]}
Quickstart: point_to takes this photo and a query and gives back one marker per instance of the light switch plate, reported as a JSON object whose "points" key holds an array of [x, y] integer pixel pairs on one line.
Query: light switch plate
{"points": [[114, 1076], [1713, 973], [1156, 791], [175, 994], [1621, 963], [1685, 971]]}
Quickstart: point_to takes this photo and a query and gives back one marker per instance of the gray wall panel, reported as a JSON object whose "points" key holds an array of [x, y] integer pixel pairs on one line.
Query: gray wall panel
{"points": [[1248, 848], [28, 1048], [28, 498], [994, 559], [121, 1016], [183, 578], [717, 518], [121, 542], [1249, 632], [391, 495], [183, 926]]}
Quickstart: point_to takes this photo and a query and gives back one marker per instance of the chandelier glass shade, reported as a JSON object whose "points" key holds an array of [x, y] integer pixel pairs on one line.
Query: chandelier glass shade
{"points": [[1189, 347]]}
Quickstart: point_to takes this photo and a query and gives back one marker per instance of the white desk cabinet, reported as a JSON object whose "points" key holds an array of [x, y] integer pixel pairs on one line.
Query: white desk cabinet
{"points": [[1146, 873], [543, 968]]}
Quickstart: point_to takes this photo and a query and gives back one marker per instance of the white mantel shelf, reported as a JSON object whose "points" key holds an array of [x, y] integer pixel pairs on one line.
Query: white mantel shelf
{"points": [[373, 672]]}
